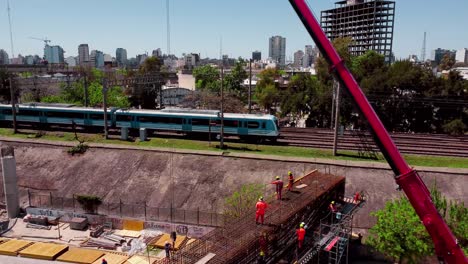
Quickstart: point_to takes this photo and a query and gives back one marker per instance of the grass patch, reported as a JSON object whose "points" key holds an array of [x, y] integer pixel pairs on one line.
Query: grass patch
{"points": [[170, 143]]}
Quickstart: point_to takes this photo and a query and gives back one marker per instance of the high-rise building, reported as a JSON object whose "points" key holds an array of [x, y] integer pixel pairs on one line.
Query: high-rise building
{"points": [[97, 58], [462, 56], [256, 56], [121, 57], [309, 57], [298, 56], [83, 54], [369, 23], [277, 50], [4, 59], [54, 54]]}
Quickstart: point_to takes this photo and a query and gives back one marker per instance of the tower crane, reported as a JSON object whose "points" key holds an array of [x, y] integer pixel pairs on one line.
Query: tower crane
{"points": [[46, 41]]}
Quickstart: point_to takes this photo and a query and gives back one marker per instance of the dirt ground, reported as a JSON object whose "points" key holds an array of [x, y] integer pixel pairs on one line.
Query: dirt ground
{"points": [[191, 181]]}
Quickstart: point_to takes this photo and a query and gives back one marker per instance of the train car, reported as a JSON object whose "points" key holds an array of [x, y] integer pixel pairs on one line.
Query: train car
{"points": [[200, 121], [255, 127], [59, 114]]}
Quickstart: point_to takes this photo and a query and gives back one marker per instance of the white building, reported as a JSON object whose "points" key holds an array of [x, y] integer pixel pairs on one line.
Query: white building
{"points": [[462, 56], [463, 72]]}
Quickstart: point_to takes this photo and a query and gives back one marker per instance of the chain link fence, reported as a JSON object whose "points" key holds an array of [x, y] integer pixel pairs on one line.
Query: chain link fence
{"points": [[123, 210]]}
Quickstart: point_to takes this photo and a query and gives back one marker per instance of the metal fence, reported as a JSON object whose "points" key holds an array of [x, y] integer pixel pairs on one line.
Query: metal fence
{"points": [[120, 209]]}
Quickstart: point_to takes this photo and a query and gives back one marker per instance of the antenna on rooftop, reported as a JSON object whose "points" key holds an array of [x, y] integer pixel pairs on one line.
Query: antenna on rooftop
{"points": [[11, 32]]}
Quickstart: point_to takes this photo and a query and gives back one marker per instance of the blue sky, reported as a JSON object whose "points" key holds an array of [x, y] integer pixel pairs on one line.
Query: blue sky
{"points": [[198, 25]]}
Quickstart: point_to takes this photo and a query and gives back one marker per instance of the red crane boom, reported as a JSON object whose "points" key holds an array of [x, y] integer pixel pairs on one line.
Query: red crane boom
{"points": [[445, 243]]}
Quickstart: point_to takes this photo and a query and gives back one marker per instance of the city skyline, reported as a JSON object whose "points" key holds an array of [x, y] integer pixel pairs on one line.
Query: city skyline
{"points": [[107, 26]]}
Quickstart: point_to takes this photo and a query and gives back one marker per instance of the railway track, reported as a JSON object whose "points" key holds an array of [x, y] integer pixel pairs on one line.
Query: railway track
{"points": [[419, 144]]}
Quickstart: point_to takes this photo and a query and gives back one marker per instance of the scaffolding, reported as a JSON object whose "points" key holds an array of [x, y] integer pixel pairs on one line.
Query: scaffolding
{"points": [[369, 23], [331, 244]]}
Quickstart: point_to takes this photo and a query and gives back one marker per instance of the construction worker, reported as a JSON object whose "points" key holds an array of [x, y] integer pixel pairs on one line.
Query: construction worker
{"points": [[261, 258], [357, 198], [301, 232], [173, 238], [279, 187], [332, 207], [104, 261], [167, 248], [261, 207], [290, 181], [263, 242]]}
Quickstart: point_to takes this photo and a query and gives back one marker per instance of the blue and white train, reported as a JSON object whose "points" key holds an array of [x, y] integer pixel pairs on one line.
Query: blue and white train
{"points": [[246, 126]]}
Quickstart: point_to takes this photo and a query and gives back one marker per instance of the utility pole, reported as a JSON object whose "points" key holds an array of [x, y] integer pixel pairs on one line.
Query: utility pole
{"points": [[250, 86], [86, 90], [104, 102], [337, 117], [332, 117], [221, 142], [13, 109]]}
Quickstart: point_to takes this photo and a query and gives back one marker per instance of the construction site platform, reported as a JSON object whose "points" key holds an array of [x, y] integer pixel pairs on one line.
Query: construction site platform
{"points": [[237, 240]]}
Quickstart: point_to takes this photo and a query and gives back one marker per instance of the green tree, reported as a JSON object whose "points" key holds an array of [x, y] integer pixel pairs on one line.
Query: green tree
{"points": [[206, 78], [243, 201], [74, 94], [150, 65], [400, 234], [267, 91], [446, 63], [235, 79]]}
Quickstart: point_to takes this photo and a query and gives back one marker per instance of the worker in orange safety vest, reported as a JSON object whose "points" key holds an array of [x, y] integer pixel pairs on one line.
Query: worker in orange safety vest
{"points": [[290, 181], [279, 187], [301, 232], [261, 206]]}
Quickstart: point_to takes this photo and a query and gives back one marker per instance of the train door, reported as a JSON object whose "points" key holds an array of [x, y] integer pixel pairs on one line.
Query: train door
{"points": [[186, 124], [242, 129]]}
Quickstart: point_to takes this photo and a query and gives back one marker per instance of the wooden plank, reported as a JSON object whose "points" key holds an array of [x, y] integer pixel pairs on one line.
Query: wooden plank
{"points": [[128, 233], [112, 258], [82, 256], [206, 258], [39, 250], [166, 237], [133, 225], [12, 247]]}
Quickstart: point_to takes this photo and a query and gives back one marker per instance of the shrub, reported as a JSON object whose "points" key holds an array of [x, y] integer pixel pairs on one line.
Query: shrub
{"points": [[89, 203]]}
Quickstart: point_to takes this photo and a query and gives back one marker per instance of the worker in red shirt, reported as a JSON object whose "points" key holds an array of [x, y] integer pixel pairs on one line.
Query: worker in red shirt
{"points": [[261, 207], [357, 198], [301, 232], [279, 187], [290, 181]]}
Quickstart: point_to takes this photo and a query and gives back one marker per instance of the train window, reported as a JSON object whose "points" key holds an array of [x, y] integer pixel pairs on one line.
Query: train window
{"points": [[29, 113], [252, 124], [96, 116], [65, 115], [231, 123], [6, 111], [124, 118], [200, 122]]}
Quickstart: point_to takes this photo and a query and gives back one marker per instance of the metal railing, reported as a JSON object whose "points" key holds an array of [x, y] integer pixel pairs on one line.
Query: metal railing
{"points": [[124, 210]]}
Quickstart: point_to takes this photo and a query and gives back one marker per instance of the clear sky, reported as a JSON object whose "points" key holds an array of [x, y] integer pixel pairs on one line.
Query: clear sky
{"points": [[198, 25]]}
